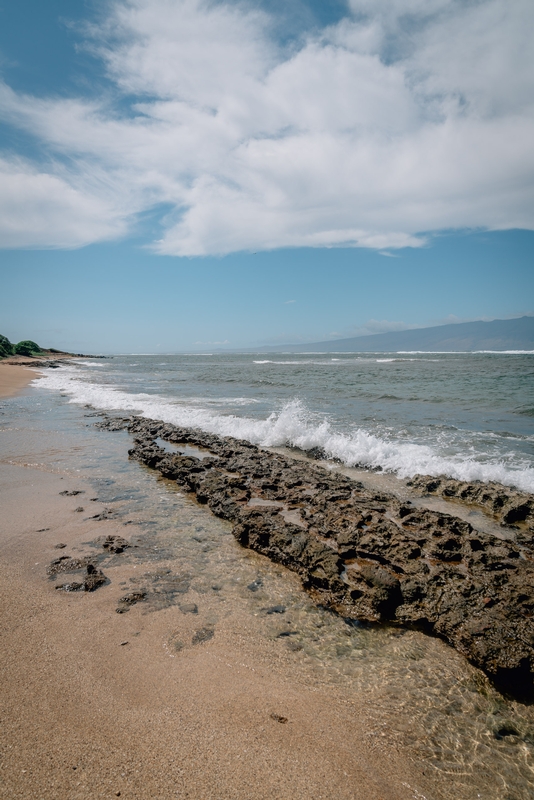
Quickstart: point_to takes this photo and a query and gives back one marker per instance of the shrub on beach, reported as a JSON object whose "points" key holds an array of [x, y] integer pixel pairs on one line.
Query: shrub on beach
{"points": [[27, 348], [6, 348]]}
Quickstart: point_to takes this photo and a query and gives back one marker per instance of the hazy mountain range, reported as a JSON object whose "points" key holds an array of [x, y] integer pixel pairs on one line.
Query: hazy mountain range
{"points": [[499, 334]]}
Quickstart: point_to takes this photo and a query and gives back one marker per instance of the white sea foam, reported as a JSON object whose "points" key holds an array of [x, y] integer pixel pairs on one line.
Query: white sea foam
{"points": [[293, 363], [295, 426], [507, 352], [344, 361], [467, 352], [217, 401], [304, 361]]}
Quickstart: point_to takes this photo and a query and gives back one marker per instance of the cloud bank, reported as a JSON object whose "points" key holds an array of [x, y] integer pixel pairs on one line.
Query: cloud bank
{"points": [[406, 117]]}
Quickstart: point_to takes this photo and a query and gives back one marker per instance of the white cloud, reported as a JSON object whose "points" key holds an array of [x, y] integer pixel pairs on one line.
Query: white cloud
{"points": [[38, 209], [408, 116]]}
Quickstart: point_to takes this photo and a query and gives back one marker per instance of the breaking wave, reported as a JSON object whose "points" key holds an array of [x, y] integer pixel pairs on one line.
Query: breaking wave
{"points": [[295, 426]]}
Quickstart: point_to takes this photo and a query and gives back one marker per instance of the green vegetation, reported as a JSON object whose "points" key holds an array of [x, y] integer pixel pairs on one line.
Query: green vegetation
{"points": [[24, 348], [6, 348], [27, 348]]}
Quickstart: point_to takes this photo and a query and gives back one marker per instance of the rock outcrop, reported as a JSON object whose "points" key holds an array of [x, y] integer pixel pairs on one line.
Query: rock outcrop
{"points": [[508, 506], [364, 554]]}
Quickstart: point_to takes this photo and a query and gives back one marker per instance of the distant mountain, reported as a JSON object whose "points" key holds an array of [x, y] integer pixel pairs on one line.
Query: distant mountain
{"points": [[499, 334]]}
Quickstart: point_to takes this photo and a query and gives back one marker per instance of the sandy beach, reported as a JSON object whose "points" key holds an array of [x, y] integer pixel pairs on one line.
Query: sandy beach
{"points": [[17, 372], [13, 379], [100, 704]]}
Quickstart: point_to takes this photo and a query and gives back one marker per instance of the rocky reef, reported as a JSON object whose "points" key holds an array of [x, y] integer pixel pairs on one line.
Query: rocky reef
{"points": [[508, 506], [365, 554]]}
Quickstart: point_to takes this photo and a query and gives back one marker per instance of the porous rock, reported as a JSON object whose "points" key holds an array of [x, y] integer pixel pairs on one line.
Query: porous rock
{"points": [[88, 576], [113, 543], [509, 506], [364, 553]]}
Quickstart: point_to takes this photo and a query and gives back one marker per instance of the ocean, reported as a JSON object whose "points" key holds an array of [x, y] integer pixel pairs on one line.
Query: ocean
{"points": [[466, 415]]}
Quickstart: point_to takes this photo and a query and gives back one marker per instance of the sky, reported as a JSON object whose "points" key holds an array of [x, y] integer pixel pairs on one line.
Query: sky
{"points": [[187, 175]]}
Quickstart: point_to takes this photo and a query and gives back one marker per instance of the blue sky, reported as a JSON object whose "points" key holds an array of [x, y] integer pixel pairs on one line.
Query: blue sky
{"points": [[179, 175]]}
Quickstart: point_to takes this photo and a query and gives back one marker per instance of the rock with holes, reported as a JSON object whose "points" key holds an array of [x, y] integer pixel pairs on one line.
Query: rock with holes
{"points": [[365, 554]]}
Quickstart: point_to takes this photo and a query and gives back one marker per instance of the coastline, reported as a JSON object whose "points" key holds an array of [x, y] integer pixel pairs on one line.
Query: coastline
{"points": [[17, 372], [98, 704], [165, 701]]}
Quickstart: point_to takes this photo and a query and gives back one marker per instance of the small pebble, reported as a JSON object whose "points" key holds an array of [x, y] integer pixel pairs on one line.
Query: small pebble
{"points": [[123, 643]]}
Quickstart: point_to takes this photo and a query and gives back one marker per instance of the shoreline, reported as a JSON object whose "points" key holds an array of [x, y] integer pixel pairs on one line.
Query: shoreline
{"points": [[185, 692], [15, 374], [102, 704]]}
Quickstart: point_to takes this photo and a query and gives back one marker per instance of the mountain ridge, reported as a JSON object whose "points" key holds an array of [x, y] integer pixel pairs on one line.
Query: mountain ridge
{"points": [[497, 334]]}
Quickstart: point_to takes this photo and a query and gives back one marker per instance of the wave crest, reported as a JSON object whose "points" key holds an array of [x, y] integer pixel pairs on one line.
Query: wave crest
{"points": [[295, 426]]}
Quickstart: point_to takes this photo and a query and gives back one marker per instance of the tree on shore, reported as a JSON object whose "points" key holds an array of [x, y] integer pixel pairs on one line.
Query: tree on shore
{"points": [[6, 348], [24, 348], [27, 348]]}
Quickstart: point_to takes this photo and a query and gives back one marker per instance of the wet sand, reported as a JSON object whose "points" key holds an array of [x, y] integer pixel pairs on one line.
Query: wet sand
{"points": [[98, 704], [16, 372], [13, 379]]}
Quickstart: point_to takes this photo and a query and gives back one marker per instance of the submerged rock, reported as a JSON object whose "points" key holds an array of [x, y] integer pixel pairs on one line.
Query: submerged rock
{"points": [[130, 599], [365, 554], [113, 543], [203, 635], [66, 564], [93, 578], [107, 513], [90, 579]]}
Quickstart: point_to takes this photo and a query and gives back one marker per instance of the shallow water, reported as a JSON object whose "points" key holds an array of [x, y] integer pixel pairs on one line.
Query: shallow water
{"points": [[470, 741]]}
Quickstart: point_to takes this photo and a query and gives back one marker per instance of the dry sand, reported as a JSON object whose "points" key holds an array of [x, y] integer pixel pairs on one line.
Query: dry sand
{"points": [[13, 379], [16, 372], [96, 704]]}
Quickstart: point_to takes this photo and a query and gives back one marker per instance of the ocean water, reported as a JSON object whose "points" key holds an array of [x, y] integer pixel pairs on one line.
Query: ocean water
{"points": [[466, 415]]}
